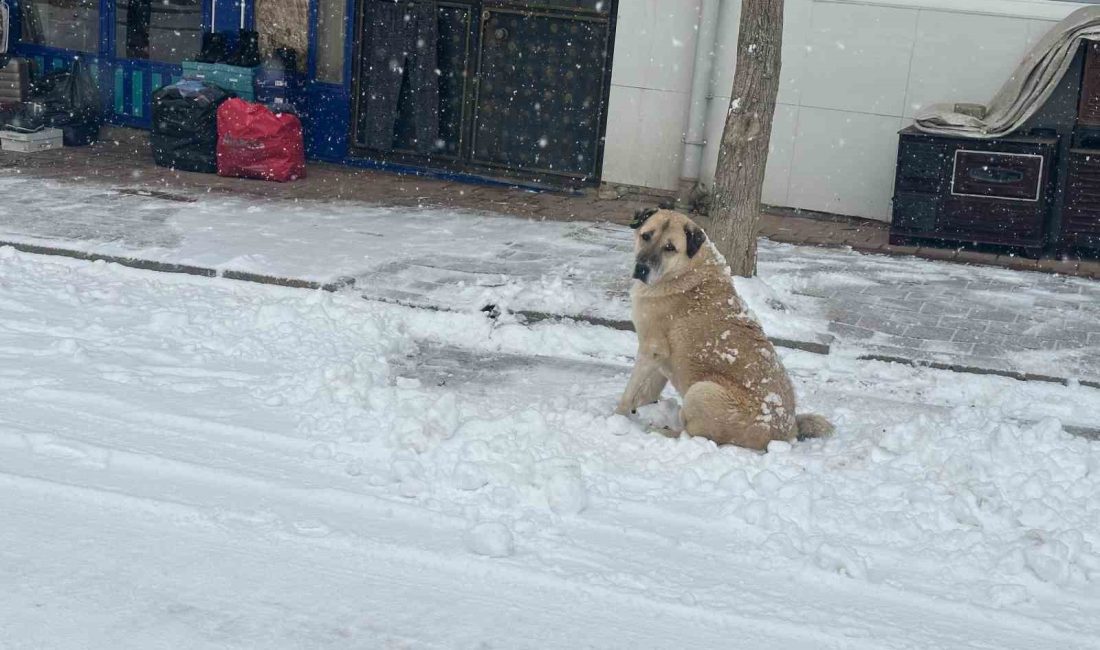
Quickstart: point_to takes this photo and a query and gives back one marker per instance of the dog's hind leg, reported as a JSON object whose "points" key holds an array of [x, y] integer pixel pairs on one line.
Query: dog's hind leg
{"points": [[711, 411]]}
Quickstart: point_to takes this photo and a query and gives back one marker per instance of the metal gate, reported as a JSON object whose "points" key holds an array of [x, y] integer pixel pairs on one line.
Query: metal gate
{"points": [[500, 87]]}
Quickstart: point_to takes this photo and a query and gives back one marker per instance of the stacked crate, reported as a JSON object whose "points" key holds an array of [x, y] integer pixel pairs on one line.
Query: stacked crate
{"points": [[274, 86], [968, 191], [14, 81], [1080, 223], [1037, 189], [231, 78]]}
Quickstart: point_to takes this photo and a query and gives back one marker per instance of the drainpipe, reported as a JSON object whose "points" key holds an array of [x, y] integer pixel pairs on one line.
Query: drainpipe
{"points": [[702, 81]]}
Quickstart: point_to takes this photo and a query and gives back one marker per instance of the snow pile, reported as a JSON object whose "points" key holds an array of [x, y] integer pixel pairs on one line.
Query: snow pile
{"points": [[451, 460], [490, 539], [782, 316], [565, 493], [992, 502]]}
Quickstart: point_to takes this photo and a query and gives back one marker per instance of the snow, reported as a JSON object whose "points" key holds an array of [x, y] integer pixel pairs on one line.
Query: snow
{"points": [[491, 539], [552, 267], [565, 492], [201, 463], [463, 261]]}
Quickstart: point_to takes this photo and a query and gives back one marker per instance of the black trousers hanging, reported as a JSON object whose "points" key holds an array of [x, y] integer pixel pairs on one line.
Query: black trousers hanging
{"points": [[403, 41], [139, 14]]}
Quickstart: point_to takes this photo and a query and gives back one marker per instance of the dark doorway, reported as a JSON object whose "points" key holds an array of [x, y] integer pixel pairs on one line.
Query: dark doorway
{"points": [[498, 87]]}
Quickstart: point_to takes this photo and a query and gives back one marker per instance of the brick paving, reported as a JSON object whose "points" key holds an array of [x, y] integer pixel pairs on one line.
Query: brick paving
{"points": [[969, 312], [959, 314]]}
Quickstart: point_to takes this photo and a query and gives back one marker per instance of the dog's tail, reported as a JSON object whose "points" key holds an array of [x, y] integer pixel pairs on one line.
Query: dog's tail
{"points": [[811, 425]]}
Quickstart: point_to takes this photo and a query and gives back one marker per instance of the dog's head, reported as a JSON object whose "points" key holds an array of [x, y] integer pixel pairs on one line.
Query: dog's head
{"points": [[665, 244]]}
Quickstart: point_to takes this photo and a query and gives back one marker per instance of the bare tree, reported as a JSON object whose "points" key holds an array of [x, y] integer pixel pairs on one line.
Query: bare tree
{"points": [[734, 213]]}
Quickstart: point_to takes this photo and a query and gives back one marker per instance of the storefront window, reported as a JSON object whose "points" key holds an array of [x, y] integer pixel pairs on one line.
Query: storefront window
{"points": [[283, 24], [168, 31], [68, 24], [331, 18]]}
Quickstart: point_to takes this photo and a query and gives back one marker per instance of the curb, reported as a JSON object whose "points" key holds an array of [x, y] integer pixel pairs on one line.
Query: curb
{"points": [[169, 267], [814, 347], [977, 370]]}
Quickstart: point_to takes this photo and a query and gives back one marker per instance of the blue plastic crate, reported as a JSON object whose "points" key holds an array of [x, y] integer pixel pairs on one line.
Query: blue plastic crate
{"points": [[274, 78], [266, 96], [240, 81], [200, 71]]}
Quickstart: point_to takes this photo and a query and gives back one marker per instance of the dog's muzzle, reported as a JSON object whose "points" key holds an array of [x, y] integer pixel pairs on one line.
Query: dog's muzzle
{"points": [[641, 272]]}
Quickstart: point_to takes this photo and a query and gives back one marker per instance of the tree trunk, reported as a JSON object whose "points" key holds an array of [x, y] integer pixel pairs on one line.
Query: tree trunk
{"points": [[734, 213]]}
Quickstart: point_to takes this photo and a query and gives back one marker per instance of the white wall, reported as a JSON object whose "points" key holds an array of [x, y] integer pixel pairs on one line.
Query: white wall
{"points": [[854, 73], [650, 86]]}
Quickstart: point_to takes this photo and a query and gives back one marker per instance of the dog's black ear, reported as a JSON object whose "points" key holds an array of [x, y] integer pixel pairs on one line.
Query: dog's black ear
{"points": [[695, 239], [641, 215], [667, 204]]}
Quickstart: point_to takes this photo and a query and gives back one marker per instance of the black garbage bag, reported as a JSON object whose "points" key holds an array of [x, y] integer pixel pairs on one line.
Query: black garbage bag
{"points": [[69, 100], [185, 126], [68, 95]]}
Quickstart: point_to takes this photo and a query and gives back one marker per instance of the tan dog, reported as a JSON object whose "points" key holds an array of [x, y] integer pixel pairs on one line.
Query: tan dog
{"points": [[694, 331]]}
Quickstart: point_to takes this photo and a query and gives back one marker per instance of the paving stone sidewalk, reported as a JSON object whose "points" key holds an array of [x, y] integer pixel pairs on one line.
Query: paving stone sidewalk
{"points": [[960, 315]]}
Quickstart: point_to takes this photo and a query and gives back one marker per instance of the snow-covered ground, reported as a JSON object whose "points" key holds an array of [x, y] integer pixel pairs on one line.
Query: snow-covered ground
{"points": [[900, 307], [201, 463]]}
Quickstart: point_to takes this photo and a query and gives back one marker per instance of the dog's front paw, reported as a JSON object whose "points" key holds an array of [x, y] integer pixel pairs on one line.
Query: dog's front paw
{"points": [[624, 410]]}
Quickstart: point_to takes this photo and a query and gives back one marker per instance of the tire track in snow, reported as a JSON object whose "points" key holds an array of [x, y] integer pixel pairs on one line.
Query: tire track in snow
{"points": [[855, 624], [159, 477]]}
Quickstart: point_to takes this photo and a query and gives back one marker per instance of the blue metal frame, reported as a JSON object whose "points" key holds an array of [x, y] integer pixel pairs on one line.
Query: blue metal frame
{"points": [[228, 16], [327, 108], [349, 36], [311, 39]]}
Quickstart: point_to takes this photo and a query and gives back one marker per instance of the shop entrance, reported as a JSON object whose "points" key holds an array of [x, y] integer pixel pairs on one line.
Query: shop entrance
{"points": [[136, 45], [498, 87]]}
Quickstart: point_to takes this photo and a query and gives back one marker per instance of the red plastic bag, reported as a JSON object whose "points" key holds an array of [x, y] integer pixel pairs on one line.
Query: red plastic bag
{"points": [[253, 142]]}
